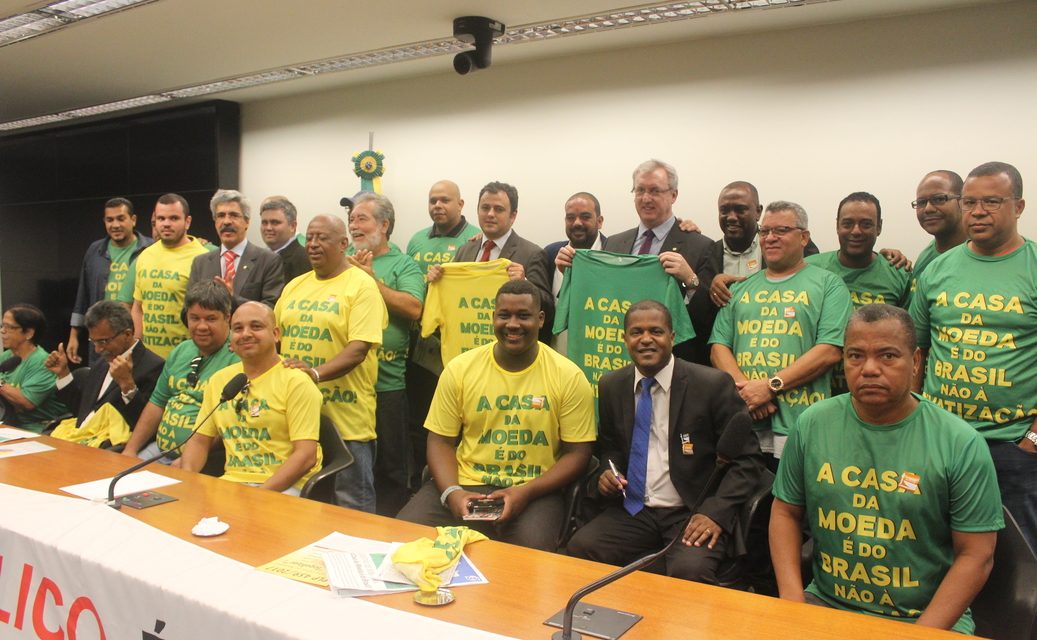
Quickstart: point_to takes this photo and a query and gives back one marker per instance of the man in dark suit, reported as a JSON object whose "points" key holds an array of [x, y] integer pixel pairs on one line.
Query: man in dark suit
{"points": [[248, 271], [684, 255], [278, 220], [125, 376], [583, 222], [498, 208], [661, 424]]}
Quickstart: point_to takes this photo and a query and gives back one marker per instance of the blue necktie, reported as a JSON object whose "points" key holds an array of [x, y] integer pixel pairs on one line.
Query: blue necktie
{"points": [[637, 465]]}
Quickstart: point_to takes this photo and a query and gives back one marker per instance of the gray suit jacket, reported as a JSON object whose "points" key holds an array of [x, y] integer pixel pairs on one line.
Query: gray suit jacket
{"points": [[260, 274], [530, 256], [697, 249]]}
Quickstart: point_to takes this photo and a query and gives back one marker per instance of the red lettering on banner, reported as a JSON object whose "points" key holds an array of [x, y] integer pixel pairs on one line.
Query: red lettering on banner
{"points": [[49, 590], [46, 586], [81, 604], [23, 595], [5, 616]]}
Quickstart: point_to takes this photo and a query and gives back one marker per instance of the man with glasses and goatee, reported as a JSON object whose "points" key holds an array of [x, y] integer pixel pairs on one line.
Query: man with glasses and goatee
{"points": [[170, 413], [784, 331], [975, 313], [938, 209]]}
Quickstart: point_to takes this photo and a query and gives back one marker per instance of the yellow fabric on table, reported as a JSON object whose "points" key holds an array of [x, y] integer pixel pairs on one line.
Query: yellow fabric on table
{"points": [[106, 425], [424, 561]]}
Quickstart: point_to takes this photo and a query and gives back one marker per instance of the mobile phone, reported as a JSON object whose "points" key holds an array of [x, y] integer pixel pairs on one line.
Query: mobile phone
{"points": [[485, 509]]}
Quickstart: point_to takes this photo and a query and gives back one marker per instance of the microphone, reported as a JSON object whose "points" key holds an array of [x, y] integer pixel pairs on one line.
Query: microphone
{"points": [[234, 386], [9, 365], [729, 446]]}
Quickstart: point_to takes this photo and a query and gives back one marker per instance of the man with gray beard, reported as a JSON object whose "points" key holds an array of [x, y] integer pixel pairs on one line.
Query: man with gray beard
{"points": [[402, 285]]}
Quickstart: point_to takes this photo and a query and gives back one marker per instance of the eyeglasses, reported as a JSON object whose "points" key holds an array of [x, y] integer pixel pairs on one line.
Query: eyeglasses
{"points": [[192, 375], [655, 193], [937, 200], [989, 203], [102, 342], [10, 327], [780, 232]]}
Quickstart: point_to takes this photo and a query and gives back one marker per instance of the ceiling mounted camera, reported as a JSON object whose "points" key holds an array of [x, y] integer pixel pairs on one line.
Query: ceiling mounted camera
{"points": [[479, 31]]}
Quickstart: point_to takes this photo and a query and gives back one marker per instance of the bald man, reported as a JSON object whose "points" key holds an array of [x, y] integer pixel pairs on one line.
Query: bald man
{"points": [[331, 321], [270, 430]]}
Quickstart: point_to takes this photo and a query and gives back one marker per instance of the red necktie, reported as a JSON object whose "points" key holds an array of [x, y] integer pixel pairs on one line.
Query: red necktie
{"points": [[228, 266], [486, 248], [646, 244]]}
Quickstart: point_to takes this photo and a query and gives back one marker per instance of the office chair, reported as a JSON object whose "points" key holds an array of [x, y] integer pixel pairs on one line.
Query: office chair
{"points": [[1006, 608], [321, 485]]}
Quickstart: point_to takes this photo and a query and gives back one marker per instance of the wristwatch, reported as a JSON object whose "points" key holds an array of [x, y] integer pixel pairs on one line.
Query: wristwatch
{"points": [[1032, 437], [775, 384], [694, 284]]}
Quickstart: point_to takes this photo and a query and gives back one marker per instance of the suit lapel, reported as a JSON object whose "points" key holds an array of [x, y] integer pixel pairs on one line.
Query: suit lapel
{"points": [[245, 267], [627, 405], [508, 250], [678, 391]]}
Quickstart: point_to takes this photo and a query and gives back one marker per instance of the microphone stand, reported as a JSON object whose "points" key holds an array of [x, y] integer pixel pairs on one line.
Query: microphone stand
{"points": [[115, 504], [567, 632]]}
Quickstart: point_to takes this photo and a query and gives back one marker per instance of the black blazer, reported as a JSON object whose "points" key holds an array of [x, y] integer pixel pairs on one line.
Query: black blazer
{"points": [[260, 274], [697, 251], [295, 260], [81, 394], [703, 405]]}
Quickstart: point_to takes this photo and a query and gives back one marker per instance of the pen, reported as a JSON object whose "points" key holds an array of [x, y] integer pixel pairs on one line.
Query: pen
{"points": [[615, 472]]}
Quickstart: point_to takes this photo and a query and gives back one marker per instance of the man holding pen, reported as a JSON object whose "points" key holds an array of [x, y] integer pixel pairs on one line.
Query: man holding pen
{"points": [[661, 419]]}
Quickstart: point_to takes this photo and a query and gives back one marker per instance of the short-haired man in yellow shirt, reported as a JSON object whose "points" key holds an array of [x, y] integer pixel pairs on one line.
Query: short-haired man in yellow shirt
{"points": [[512, 420], [270, 430]]}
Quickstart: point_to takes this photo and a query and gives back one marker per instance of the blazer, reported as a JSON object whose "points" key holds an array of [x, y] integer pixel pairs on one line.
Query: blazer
{"points": [[260, 274], [295, 260], [81, 393], [697, 249], [530, 256], [704, 405]]}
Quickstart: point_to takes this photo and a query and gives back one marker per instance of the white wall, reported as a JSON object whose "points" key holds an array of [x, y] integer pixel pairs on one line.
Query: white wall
{"points": [[807, 115]]}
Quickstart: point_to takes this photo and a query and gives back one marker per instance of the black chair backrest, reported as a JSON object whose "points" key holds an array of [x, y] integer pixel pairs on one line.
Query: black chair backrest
{"points": [[1006, 608]]}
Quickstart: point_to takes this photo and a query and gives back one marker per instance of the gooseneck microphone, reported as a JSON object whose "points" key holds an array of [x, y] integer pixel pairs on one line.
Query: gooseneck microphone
{"points": [[9, 365], [729, 446], [234, 386]]}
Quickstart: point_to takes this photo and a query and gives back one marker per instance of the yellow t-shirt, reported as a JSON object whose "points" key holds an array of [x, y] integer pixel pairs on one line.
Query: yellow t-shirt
{"points": [[258, 427], [318, 318], [161, 283], [512, 424], [460, 305]]}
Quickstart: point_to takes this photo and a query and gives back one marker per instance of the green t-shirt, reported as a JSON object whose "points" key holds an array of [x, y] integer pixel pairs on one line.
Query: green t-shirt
{"points": [[36, 383], [768, 325], [927, 256], [882, 502], [428, 251], [398, 271], [977, 315], [179, 400], [878, 283], [595, 312], [120, 274]]}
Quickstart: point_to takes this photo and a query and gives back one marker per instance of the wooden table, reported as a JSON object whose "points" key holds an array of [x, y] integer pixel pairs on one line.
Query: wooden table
{"points": [[526, 587]]}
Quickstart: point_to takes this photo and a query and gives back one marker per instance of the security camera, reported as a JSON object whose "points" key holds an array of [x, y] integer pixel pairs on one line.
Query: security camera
{"points": [[480, 32]]}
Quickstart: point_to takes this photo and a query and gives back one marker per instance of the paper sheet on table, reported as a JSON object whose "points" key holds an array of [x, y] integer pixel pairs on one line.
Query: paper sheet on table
{"points": [[308, 565], [22, 448], [463, 573], [10, 433], [133, 483]]}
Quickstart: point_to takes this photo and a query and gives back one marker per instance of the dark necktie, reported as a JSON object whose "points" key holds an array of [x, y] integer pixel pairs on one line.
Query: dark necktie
{"points": [[637, 465], [646, 244]]}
